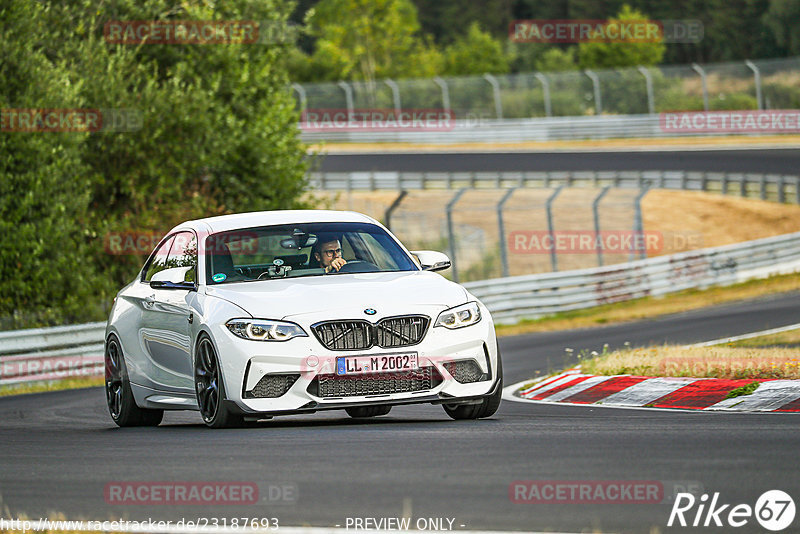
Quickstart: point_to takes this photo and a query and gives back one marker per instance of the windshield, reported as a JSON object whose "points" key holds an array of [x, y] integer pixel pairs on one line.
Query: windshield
{"points": [[310, 249]]}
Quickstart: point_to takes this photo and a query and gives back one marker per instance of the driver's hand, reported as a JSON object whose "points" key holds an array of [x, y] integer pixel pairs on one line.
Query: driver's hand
{"points": [[337, 264]]}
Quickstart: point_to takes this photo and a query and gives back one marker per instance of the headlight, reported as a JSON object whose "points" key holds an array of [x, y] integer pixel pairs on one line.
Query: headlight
{"points": [[460, 316], [265, 329]]}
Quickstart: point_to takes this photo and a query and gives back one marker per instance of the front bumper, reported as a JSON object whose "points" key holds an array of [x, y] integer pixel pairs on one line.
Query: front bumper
{"points": [[306, 361]]}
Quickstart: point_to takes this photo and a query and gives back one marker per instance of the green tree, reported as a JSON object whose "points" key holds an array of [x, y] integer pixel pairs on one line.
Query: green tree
{"points": [[218, 135], [610, 55], [477, 52], [782, 19], [557, 60], [43, 183], [370, 39]]}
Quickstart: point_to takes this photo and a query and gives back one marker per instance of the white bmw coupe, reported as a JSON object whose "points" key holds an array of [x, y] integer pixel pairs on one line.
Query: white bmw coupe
{"points": [[248, 316]]}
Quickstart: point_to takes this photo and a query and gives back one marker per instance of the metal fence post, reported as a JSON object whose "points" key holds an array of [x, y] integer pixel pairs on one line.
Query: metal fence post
{"points": [[445, 93], [395, 94], [648, 80], [301, 92], [548, 108], [502, 230], [596, 215], [498, 105], [797, 190], [757, 79], [638, 224], [450, 234], [598, 104], [550, 232], [395, 204], [348, 95], [699, 70]]}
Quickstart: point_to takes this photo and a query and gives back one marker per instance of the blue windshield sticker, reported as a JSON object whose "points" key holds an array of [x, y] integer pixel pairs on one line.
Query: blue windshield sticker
{"points": [[219, 277]]}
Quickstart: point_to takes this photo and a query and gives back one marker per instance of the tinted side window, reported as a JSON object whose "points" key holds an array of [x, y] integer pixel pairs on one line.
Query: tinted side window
{"points": [[159, 260]]}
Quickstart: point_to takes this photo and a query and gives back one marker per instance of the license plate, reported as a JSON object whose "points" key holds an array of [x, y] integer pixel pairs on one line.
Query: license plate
{"points": [[379, 363]]}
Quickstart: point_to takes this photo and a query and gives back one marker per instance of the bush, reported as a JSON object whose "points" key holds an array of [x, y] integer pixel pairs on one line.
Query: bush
{"points": [[219, 135]]}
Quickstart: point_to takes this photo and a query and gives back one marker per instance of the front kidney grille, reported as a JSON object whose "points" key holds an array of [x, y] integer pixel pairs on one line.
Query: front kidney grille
{"points": [[392, 332], [332, 385]]}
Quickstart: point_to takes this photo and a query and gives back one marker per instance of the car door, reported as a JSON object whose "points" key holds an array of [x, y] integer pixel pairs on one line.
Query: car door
{"points": [[167, 317]]}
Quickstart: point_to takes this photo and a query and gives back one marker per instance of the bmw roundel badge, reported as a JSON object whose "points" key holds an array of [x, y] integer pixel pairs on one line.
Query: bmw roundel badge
{"points": [[370, 311]]}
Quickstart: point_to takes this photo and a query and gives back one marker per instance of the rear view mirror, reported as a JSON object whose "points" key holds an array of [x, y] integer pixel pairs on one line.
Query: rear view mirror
{"points": [[174, 278], [430, 260]]}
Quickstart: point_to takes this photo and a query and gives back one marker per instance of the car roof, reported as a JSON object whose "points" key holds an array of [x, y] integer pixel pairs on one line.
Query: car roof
{"points": [[225, 223]]}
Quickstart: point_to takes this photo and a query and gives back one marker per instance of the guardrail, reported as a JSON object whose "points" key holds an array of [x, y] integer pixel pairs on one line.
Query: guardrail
{"points": [[51, 353], [531, 296], [779, 187], [69, 351], [521, 130]]}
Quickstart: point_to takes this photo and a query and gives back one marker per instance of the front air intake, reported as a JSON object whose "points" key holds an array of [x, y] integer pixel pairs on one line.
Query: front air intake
{"points": [[272, 386]]}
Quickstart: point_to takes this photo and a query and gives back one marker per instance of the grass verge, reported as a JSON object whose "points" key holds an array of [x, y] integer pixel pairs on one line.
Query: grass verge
{"points": [[786, 339], [649, 307], [698, 362], [51, 385]]}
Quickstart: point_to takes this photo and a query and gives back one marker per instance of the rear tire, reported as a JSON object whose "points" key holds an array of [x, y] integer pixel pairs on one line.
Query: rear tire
{"points": [[210, 388], [487, 407], [119, 395], [359, 412]]}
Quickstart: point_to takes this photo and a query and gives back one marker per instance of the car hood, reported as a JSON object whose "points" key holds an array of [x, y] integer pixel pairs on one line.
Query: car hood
{"points": [[343, 295]]}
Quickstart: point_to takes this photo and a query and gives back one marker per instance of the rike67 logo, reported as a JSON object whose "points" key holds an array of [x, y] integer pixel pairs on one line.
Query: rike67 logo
{"points": [[774, 510]]}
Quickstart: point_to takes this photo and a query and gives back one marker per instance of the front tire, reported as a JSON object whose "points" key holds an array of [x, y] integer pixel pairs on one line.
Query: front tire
{"points": [[119, 395], [487, 407], [210, 388], [360, 412]]}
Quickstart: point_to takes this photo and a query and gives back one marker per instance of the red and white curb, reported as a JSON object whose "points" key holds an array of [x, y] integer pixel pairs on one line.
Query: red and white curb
{"points": [[576, 388]]}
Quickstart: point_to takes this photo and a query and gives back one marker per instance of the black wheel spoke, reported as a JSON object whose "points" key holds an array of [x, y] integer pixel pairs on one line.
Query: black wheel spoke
{"points": [[113, 371], [206, 374]]}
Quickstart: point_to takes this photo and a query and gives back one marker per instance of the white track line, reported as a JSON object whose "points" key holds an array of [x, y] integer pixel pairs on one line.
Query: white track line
{"points": [[745, 336]]}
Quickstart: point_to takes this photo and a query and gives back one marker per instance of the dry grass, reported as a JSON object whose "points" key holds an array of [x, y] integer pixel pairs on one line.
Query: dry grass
{"points": [[650, 307], [702, 220], [700, 362], [39, 387], [675, 142]]}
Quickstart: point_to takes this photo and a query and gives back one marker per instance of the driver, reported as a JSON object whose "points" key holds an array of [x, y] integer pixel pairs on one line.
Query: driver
{"points": [[328, 253]]}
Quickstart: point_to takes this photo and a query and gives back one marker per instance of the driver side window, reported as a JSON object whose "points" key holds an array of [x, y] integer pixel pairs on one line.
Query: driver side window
{"points": [[183, 253], [159, 260]]}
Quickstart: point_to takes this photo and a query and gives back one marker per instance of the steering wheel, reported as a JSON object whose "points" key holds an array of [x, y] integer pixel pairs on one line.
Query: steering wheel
{"points": [[358, 266]]}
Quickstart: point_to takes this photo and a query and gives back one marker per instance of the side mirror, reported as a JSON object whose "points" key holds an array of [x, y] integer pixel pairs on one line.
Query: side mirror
{"points": [[430, 260], [173, 278]]}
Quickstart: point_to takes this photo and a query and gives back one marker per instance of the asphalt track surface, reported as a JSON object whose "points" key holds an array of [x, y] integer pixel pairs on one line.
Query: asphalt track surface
{"points": [[59, 450], [779, 161]]}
